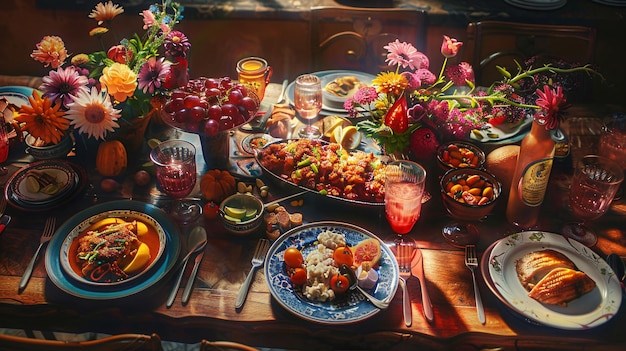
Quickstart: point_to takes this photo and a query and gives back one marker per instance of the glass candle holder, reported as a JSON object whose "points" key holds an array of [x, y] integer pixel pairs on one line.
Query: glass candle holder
{"points": [[254, 73]]}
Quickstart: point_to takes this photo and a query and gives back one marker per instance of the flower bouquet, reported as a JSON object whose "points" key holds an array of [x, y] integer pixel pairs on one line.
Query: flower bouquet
{"points": [[411, 108], [100, 94]]}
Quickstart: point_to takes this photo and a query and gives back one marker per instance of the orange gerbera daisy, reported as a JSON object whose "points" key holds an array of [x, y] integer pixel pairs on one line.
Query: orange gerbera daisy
{"points": [[50, 51], [390, 83], [105, 12], [42, 120]]}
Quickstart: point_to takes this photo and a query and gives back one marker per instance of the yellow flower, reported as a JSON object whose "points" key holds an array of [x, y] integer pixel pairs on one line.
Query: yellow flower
{"points": [[105, 12], [42, 120], [50, 51], [98, 31], [119, 80], [390, 83], [79, 59]]}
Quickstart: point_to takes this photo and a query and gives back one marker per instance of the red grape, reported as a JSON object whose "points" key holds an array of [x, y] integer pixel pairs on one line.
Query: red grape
{"points": [[211, 127], [214, 112], [197, 114], [192, 101]]}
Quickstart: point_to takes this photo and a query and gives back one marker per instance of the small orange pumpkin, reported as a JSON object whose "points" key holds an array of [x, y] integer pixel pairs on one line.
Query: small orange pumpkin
{"points": [[111, 159], [216, 185]]}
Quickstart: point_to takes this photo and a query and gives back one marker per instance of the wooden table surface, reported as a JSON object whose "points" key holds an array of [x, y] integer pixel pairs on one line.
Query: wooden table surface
{"points": [[211, 314]]}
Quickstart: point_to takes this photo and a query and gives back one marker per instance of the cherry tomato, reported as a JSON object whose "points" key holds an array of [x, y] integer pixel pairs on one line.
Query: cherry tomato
{"points": [[297, 275], [343, 255], [210, 210], [339, 283], [293, 258]]}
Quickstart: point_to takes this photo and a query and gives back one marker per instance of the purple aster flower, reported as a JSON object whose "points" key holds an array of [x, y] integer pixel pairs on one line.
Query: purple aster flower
{"points": [[460, 73], [176, 44], [60, 85], [152, 74]]}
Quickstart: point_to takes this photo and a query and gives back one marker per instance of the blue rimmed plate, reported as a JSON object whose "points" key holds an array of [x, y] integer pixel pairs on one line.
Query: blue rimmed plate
{"points": [[352, 309], [590, 310], [16, 95], [63, 281]]}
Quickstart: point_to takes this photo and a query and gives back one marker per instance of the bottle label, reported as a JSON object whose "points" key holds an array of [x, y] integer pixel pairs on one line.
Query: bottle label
{"points": [[535, 181]]}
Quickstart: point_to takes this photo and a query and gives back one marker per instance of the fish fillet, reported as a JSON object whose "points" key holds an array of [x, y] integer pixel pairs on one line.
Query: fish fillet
{"points": [[560, 286], [533, 266]]}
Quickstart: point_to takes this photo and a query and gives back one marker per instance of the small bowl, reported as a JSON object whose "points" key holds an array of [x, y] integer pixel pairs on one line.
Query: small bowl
{"points": [[466, 211], [246, 225], [469, 155], [51, 151]]}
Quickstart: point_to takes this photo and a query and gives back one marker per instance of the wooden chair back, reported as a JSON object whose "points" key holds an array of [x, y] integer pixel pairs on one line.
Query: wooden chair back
{"points": [[491, 43], [121, 342], [206, 345], [353, 38]]}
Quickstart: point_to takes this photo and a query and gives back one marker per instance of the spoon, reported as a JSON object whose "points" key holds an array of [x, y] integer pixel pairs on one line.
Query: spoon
{"points": [[197, 241], [354, 284]]}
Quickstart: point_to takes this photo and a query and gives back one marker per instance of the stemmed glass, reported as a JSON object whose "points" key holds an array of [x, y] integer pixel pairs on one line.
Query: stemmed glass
{"points": [[594, 184], [404, 188], [175, 166], [307, 97], [613, 144]]}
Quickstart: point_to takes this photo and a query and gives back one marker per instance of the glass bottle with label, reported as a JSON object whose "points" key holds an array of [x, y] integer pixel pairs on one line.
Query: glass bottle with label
{"points": [[530, 179]]}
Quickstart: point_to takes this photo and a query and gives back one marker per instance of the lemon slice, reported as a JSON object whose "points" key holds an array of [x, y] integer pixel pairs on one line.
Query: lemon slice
{"points": [[250, 213], [331, 122], [235, 212], [232, 219], [350, 138], [337, 133], [32, 185], [141, 258]]}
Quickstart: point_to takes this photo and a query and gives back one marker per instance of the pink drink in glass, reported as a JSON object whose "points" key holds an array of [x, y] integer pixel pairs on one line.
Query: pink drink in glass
{"points": [[175, 166], [594, 185], [403, 205]]}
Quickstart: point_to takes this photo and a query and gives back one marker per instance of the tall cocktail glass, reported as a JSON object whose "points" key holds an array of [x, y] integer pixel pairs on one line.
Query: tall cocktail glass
{"points": [[307, 96]]}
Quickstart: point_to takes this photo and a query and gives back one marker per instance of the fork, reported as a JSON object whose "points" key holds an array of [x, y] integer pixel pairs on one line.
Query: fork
{"points": [[471, 261], [257, 260], [48, 231], [404, 256]]}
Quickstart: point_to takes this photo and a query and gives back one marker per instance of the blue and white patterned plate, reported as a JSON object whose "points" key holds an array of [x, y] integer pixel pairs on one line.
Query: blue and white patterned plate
{"points": [[343, 310], [590, 310]]}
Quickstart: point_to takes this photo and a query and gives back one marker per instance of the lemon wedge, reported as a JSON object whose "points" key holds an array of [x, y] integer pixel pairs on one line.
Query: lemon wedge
{"points": [[235, 212], [32, 185], [141, 258], [142, 228], [336, 136], [350, 138], [104, 222], [330, 123], [250, 213], [232, 219]]}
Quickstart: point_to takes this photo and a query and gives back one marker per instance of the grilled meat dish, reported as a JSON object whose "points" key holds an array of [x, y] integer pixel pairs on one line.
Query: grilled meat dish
{"points": [[552, 278]]}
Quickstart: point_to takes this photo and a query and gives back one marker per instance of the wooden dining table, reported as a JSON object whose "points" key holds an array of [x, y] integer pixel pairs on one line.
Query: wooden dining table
{"points": [[262, 321]]}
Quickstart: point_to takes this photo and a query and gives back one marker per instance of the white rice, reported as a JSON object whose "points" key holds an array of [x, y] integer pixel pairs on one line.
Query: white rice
{"points": [[320, 267]]}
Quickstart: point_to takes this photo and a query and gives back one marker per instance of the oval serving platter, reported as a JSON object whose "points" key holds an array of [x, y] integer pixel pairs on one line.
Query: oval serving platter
{"points": [[281, 180]]}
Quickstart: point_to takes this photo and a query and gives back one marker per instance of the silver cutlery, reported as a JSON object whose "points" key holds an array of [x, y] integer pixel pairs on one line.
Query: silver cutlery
{"points": [[197, 242], [354, 284], [48, 231], [417, 269], [187, 292], [404, 256], [257, 260], [471, 261]]}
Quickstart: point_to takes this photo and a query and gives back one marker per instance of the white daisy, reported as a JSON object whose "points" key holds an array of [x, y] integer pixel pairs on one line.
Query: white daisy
{"points": [[93, 114]]}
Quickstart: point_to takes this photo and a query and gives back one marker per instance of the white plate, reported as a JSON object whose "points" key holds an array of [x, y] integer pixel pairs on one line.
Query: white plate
{"points": [[506, 132], [61, 172], [588, 311], [354, 307], [364, 77]]}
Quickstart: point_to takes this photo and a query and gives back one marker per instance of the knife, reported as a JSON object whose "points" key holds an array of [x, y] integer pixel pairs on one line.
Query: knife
{"points": [[417, 269], [194, 272], [258, 123]]}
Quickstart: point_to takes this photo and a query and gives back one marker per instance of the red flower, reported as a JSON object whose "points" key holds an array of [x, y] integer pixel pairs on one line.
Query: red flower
{"points": [[553, 105], [450, 47], [119, 54]]}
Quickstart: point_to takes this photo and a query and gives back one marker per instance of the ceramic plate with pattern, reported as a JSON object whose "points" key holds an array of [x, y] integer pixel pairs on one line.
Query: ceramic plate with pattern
{"points": [[350, 308], [590, 310], [52, 179]]}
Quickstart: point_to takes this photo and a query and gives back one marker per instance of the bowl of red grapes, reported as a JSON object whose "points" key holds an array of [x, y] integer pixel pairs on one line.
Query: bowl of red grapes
{"points": [[208, 106]]}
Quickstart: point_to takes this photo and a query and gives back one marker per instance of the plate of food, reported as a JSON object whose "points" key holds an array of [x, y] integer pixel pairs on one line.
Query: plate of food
{"points": [[326, 169], [554, 281], [44, 181], [502, 133], [112, 248], [15, 189], [337, 85], [319, 299], [118, 209]]}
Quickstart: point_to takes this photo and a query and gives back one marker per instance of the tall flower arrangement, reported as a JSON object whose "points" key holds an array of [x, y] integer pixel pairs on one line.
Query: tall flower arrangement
{"points": [[99, 92], [449, 105]]}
